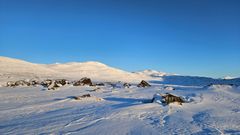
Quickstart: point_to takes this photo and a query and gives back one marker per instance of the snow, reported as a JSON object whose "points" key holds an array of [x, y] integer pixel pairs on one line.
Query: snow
{"points": [[152, 73], [13, 69], [212, 109], [228, 77]]}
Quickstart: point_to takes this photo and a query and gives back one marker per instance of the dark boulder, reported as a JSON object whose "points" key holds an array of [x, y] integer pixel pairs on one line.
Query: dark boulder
{"points": [[83, 81], [61, 82], [46, 83], [143, 84], [54, 85], [126, 85], [169, 98]]}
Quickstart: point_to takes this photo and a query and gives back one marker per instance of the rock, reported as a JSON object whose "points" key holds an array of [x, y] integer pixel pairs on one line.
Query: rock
{"points": [[83, 81], [167, 99], [22, 83], [94, 90], [143, 84], [54, 85], [11, 84], [34, 82], [46, 83], [100, 84], [87, 97], [126, 85], [61, 82], [81, 97]]}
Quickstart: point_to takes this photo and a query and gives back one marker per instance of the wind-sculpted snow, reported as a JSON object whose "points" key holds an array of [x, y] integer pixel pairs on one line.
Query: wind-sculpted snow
{"points": [[30, 110]]}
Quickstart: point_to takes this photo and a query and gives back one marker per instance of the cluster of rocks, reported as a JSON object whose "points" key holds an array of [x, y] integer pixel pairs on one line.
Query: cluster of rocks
{"points": [[55, 84], [119, 85], [142, 84], [22, 83], [84, 81], [51, 84]]}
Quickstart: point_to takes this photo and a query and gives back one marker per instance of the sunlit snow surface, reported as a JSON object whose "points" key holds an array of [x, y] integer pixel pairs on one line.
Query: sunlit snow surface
{"points": [[33, 110], [215, 109]]}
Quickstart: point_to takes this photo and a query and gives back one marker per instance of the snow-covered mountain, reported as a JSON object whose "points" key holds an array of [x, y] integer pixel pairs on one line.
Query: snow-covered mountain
{"points": [[17, 69], [14, 69], [95, 70], [152, 73]]}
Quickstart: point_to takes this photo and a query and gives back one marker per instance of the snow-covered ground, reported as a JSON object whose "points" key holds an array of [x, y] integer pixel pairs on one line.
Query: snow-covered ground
{"points": [[215, 109]]}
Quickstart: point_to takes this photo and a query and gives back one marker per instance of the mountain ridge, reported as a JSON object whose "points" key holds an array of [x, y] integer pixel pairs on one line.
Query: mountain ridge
{"points": [[19, 69], [13, 69]]}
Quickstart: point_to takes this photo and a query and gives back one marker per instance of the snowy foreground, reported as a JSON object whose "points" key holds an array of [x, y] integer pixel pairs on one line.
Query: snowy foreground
{"points": [[215, 109]]}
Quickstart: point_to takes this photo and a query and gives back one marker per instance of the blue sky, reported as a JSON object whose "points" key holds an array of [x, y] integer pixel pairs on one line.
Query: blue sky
{"points": [[188, 37]]}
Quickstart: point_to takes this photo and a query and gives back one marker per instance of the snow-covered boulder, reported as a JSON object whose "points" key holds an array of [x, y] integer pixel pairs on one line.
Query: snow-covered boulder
{"points": [[169, 88], [157, 98], [10, 84], [165, 99], [127, 85]]}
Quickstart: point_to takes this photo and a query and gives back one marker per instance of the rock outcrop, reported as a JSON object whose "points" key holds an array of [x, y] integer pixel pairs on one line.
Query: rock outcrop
{"points": [[167, 99], [143, 84], [127, 85], [83, 81]]}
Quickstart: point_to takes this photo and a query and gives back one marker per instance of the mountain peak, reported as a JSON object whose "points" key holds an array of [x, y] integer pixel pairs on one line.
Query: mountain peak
{"points": [[153, 73]]}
